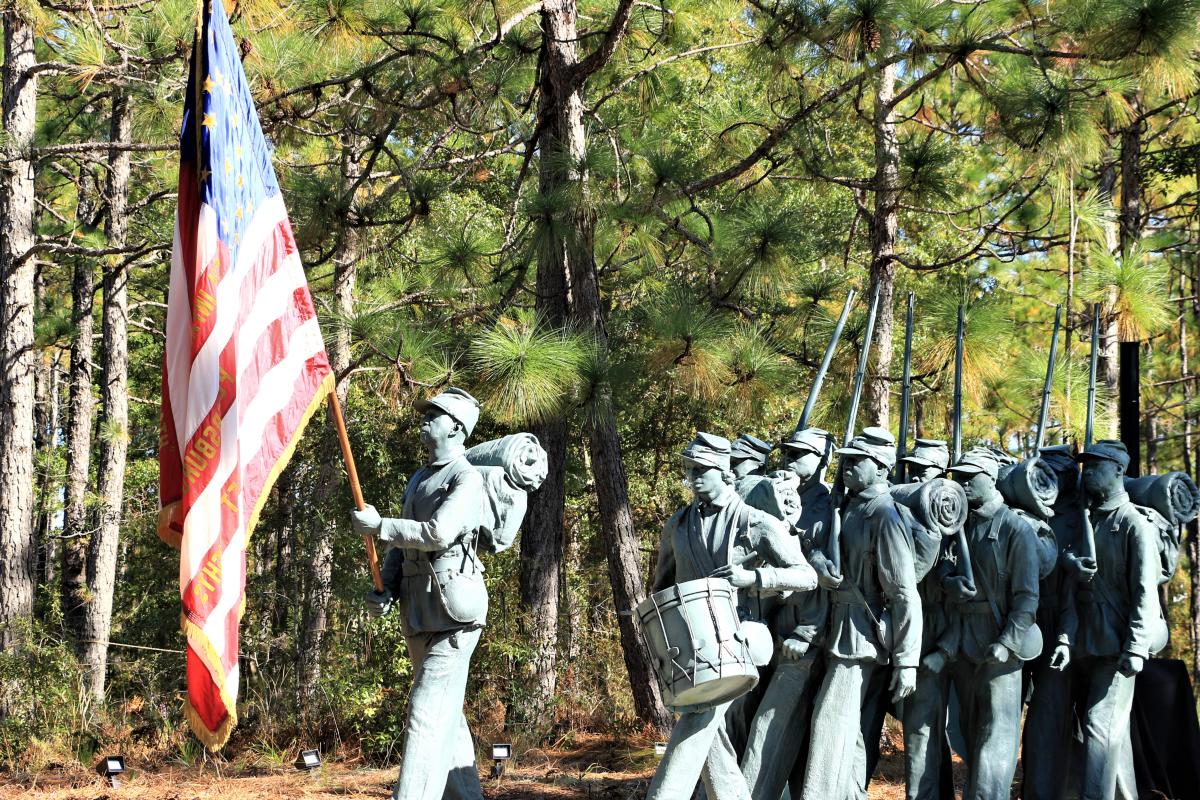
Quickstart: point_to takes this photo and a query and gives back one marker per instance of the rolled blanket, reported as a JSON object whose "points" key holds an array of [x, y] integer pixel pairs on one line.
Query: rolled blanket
{"points": [[940, 504], [520, 455], [1174, 495], [1030, 485]]}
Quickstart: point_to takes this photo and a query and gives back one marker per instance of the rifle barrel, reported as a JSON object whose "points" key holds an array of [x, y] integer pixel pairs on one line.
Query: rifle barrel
{"points": [[860, 374], [824, 368], [1044, 411], [906, 390], [958, 368], [1091, 397]]}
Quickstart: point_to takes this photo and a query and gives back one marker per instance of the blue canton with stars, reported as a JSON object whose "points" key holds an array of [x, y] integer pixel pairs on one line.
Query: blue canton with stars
{"points": [[234, 159]]}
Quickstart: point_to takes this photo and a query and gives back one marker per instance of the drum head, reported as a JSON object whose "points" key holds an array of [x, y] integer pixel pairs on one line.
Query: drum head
{"points": [[715, 692]]}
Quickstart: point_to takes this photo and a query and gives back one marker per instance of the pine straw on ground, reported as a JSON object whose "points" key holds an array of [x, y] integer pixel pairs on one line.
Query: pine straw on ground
{"points": [[592, 767]]}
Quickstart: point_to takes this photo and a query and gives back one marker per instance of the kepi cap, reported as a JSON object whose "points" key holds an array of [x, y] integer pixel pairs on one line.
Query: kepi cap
{"points": [[751, 448], [1059, 457], [810, 439], [976, 461], [708, 450], [1108, 449], [929, 453], [875, 443], [458, 403]]}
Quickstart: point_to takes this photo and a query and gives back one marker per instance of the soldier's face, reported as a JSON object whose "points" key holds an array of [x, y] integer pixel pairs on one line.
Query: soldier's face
{"points": [[743, 467], [804, 463], [706, 482], [1100, 474], [436, 426], [978, 487], [926, 473], [859, 472]]}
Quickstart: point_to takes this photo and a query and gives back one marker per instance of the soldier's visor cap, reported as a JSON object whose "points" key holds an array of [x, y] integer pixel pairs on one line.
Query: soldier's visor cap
{"points": [[748, 447], [1107, 449], [977, 461], [813, 440], [929, 453], [877, 444], [707, 450], [458, 403], [1058, 457]]}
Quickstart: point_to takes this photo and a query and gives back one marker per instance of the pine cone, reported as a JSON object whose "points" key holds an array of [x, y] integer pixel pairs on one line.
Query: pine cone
{"points": [[870, 36]]}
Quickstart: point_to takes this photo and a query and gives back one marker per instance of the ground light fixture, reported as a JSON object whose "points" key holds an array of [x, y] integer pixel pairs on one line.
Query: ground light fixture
{"points": [[500, 754], [112, 767], [308, 760]]}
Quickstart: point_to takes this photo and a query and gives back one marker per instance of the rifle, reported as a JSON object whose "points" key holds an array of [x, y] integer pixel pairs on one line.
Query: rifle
{"points": [[1044, 411], [964, 562], [1088, 551], [835, 528], [824, 368], [906, 391]]}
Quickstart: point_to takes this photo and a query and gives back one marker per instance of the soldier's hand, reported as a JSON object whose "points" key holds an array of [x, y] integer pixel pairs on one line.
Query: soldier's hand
{"points": [[794, 649], [904, 683], [998, 653], [366, 522], [826, 578], [1082, 569], [1060, 657], [958, 587], [739, 577], [1130, 665], [935, 662], [378, 603]]}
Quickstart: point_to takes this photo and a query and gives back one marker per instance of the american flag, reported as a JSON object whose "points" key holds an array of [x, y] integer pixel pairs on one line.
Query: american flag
{"points": [[245, 364]]}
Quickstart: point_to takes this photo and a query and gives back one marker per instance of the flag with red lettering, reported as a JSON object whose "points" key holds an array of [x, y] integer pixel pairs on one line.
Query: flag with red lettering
{"points": [[245, 364]]}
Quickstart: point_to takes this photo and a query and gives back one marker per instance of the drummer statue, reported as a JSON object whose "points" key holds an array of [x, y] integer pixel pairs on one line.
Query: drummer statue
{"points": [[718, 535], [433, 573]]}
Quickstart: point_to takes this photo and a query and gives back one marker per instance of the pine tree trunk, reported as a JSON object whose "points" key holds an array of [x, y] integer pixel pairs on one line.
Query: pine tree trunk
{"points": [[319, 583], [884, 223], [114, 410], [563, 110], [1130, 232], [18, 547], [47, 429], [1109, 365], [78, 435]]}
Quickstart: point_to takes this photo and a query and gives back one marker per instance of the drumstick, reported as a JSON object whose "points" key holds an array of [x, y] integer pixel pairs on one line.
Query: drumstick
{"points": [[744, 559]]}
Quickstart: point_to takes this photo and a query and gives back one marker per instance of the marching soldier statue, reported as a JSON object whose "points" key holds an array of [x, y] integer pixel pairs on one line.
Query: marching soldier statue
{"points": [[992, 627], [432, 571], [875, 616], [1119, 623], [1049, 719], [927, 773], [718, 535], [777, 750], [748, 461]]}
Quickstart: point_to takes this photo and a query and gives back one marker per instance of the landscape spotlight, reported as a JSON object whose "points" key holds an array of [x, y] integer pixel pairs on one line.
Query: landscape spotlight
{"points": [[500, 754], [308, 760], [660, 749], [111, 767]]}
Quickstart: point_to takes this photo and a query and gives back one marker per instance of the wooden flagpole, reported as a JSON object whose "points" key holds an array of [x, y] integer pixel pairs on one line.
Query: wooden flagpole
{"points": [[340, 422]]}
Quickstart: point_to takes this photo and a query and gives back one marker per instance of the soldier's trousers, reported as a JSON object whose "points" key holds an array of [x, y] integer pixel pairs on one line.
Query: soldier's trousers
{"points": [[927, 773], [989, 696], [1049, 728], [837, 758], [1105, 718], [699, 749], [777, 747], [439, 755]]}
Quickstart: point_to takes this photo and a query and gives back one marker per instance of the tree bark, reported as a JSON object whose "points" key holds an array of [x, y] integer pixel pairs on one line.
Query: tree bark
{"points": [[1109, 365], [114, 410], [319, 583], [78, 435], [884, 223], [561, 109], [18, 548]]}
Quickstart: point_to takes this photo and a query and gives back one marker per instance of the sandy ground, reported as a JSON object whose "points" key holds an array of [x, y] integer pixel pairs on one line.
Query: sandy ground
{"points": [[594, 767]]}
